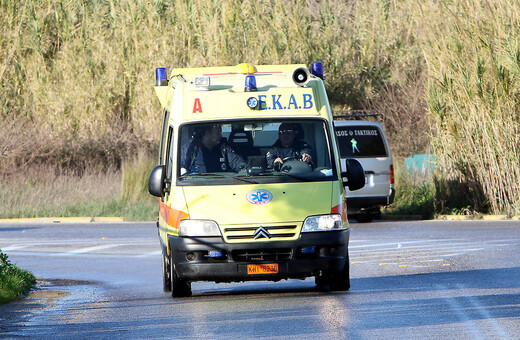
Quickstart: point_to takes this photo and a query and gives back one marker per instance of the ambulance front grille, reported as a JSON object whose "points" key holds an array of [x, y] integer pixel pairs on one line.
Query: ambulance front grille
{"points": [[253, 233], [262, 255]]}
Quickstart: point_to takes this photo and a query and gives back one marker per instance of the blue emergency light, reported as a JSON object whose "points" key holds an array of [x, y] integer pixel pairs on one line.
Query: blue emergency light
{"points": [[250, 83], [317, 69], [215, 253], [161, 78]]}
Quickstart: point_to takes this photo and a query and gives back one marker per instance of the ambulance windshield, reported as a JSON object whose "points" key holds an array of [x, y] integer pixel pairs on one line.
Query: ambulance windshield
{"points": [[255, 151]]}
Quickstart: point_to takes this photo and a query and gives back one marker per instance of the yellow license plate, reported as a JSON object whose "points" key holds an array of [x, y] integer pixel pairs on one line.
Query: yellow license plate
{"points": [[253, 269]]}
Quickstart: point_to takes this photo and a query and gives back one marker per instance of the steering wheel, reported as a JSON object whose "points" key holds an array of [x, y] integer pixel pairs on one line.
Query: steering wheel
{"points": [[296, 165], [295, 158], [290, 158]]}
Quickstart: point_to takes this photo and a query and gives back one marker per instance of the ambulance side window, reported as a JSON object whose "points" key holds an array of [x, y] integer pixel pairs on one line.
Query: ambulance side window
{"points": [[164, 129], [169, 154]]}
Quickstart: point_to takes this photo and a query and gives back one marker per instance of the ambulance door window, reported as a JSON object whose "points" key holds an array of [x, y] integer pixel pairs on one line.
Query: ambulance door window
{"points": [[169, 158], [164, 129]]}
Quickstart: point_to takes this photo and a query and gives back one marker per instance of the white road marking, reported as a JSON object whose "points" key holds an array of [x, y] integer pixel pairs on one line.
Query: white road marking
{"points": [[14, 247], [152, 254], [419, 251], [458, 304], [90, 249]]}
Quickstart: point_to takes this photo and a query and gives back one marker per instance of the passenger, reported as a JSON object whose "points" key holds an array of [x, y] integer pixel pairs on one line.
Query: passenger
{"points": [[209, 152], [287, 147]]}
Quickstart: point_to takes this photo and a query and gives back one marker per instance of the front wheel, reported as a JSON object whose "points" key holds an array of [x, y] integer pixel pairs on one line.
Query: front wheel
{"points": [[179, 287], [167, 281], [339, 281]]}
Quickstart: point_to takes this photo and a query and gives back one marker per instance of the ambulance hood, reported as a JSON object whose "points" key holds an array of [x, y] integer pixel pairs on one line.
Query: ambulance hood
{"points": [[253, 204]]}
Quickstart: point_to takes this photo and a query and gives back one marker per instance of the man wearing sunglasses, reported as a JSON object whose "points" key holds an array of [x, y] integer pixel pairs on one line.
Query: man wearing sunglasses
{"points": [[288, 147]]}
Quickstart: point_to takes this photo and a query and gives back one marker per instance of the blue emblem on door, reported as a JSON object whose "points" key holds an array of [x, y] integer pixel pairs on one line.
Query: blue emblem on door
{"points": [[259, 197]]}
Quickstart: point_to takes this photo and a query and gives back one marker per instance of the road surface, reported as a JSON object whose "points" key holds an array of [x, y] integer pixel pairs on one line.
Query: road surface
{"points": [[410, 280]]}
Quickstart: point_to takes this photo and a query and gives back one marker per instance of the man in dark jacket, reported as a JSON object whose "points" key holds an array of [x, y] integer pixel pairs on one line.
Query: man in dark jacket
{"points": [[208, 152], [288, 147]]}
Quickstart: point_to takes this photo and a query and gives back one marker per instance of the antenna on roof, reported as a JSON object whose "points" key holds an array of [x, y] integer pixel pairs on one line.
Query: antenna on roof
{"points": [[245, 49]]}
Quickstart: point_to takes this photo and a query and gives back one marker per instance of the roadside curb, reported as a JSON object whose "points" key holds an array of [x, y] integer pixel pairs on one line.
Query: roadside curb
{"points": [[450, 218], [478, 218], [401, 217], [63, 220], [383, 217]]}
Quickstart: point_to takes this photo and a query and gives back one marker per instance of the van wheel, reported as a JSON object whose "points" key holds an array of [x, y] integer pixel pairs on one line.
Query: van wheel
{"points": [[179, 287], [167, 281], [364, 218], [340, 281]]}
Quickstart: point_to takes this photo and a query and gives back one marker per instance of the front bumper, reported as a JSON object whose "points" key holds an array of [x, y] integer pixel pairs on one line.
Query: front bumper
{"points": [[312, 254]]}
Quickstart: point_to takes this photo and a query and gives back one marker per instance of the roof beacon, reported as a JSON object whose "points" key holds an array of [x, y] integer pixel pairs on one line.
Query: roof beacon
{"points": [[250, 84], [161, 78], [317, 69]]}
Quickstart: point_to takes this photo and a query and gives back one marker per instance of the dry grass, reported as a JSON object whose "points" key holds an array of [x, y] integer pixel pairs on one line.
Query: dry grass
{"points": [[82, 74], [76, 78], [473, 59], [40, 192]]}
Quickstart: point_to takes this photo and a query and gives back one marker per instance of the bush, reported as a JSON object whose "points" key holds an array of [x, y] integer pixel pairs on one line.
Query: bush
{"points": [[15, 283]]}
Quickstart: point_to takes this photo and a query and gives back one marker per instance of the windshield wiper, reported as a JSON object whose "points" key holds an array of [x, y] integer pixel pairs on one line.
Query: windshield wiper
{"points": [[213, 174]]}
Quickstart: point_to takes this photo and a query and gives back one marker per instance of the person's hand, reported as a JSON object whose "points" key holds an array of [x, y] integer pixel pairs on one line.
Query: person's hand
{"points": [[306, 157], [277, 164]]}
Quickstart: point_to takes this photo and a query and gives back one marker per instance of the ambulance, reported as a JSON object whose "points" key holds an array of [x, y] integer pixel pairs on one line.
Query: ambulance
{"points": [[237, 202]]}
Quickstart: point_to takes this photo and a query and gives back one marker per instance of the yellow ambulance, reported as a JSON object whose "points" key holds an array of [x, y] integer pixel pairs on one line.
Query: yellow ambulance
{"points": [[249, 181]]}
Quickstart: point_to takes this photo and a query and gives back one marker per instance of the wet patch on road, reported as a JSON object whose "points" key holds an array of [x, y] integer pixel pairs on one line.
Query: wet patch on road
{"points": [[44, 296]]}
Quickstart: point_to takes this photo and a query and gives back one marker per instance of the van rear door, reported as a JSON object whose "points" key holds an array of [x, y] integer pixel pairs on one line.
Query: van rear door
{"points": [[366, 142]]}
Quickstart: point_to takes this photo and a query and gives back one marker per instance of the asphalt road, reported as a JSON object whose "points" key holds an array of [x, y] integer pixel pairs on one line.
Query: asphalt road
{"points": [[410, 280]]}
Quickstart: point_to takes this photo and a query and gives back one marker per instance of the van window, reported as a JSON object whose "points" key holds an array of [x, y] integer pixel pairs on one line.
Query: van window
{"points": [[169, 154], [241, 149], [360, 141]]}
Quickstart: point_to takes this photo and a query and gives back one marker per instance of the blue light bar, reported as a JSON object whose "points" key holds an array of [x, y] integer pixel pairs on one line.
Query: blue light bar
{"points": [[161, 78], [250, 84], [317, 69]]}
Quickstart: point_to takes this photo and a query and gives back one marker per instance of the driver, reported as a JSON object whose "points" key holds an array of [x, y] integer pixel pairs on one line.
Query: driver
{"points": [[288, 147], [209, 152]]}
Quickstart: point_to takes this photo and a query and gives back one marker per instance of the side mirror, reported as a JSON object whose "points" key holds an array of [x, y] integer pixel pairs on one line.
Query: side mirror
{"points": [[355, 175], [156, 181]]}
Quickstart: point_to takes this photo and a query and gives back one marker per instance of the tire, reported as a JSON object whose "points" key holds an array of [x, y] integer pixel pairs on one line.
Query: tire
{"points": [[364, 218], [179, 287], [167, 281], [339, 281]]}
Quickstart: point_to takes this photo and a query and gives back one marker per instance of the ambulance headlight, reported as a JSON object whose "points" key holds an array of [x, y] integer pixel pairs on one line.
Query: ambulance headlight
{"points": [[198, 228], [322, 223]]}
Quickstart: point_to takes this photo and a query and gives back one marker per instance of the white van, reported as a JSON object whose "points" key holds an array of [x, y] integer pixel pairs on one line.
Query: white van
{"points": [[366, 141]]}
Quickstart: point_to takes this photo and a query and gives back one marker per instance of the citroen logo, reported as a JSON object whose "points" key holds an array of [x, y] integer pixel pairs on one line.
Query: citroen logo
{"points": [[261, 232]]}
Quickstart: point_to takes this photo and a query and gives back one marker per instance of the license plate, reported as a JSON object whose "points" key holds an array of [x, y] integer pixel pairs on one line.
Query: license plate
{"points": [[253, 269]]}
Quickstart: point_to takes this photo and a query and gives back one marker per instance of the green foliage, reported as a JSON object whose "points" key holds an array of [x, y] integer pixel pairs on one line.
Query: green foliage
{"points": [[15, 283], [415, 195], [472, 95]]}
